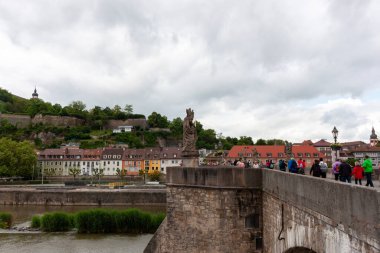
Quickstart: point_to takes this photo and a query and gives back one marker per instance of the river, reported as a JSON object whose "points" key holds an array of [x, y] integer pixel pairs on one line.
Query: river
{"points": [[12, 241]]}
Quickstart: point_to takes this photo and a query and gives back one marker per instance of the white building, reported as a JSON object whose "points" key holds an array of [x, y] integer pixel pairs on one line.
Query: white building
{"points": [[122, 129]]}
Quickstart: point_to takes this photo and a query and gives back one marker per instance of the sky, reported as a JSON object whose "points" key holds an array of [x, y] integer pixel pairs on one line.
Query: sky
{"points": [[289, 69]]}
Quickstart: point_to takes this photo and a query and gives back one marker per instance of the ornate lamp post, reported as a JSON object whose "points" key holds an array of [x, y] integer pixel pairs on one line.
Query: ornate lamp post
{"points": [[335, 146]]}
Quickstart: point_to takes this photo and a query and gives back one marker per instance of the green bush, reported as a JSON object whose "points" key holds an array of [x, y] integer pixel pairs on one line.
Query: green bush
{"points": [[100, 221], [36, 222], [108, 221], [5, 220], [95, 221], [54, 222]]}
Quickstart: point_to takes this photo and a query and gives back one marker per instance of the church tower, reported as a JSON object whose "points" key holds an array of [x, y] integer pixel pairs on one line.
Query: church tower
{"points": [[373, 138], [35, 94]]}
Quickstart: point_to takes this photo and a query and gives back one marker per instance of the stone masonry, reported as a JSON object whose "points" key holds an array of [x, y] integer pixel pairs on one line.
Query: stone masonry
{"points": [[229, 209]]}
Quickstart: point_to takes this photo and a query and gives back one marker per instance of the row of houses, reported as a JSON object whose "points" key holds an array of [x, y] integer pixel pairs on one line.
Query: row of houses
{"points": [[131, 161], [275, 153], [109, 160]]}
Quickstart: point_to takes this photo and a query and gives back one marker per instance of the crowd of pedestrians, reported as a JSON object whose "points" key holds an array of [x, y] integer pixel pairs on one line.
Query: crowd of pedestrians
{"points": [[341, 170]]}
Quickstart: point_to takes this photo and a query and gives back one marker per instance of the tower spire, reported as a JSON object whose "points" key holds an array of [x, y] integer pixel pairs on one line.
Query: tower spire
{"points": [[35, 94]]}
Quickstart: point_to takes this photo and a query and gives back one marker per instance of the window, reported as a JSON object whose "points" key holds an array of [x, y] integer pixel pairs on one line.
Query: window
{"points": [[269, 154], [299, 154], [315, 155], [307, 154]]}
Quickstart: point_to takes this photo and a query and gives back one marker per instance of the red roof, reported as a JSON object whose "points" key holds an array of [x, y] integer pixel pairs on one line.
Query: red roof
{"points": [[272, 151], [322, 143]]}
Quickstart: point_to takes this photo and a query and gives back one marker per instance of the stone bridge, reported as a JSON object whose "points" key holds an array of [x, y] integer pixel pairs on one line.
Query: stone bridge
{"points": [[229, 209]]}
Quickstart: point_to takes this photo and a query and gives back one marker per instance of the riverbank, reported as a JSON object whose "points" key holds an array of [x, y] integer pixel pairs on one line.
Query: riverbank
{"points": [[83, 196]]}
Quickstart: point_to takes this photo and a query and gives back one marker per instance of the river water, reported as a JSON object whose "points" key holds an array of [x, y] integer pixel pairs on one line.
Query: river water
{"points": [[12, 241]]}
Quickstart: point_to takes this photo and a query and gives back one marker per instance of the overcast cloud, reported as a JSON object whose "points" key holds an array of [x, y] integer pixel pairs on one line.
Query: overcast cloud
{"points": [[267, 69]]}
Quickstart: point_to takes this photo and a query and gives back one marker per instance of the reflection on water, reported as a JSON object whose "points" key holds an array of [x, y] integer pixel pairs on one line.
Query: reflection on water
{"points": [[69, 242], [72, 243]]}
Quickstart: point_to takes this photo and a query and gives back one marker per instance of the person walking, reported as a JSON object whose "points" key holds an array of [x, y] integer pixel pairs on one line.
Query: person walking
{"points": [[335, 169], [292, 166], [345, 172], [358, 173], [315, 169], [282, 165], [323, 167], [301, 166], [367, 165]]}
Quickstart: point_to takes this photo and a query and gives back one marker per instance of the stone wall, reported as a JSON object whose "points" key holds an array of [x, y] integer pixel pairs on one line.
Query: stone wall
{"points": [[23, 121], [323, 215], [229, 209], [57, 120], [211, 210], [17, 120], [62, 196]]}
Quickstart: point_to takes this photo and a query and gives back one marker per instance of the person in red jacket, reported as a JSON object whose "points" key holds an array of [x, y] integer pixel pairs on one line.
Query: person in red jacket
{"points": [[358, 173]]}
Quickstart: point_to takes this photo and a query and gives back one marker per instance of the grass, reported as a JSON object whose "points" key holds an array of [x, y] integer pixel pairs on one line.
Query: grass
{"points": [[36, 222], [5, 220], [97, 221], [56, 222]]}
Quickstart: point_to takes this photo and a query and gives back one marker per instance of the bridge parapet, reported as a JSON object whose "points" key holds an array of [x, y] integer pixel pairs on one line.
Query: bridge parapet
{"points": [[215, 177], [325, 215]]}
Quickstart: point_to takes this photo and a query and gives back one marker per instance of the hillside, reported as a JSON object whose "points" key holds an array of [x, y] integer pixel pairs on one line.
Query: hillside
{"points": [[10, 103], [95, 126]]}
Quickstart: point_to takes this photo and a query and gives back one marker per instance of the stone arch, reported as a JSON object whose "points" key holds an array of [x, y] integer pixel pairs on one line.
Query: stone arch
{"points": [[299, 250]]}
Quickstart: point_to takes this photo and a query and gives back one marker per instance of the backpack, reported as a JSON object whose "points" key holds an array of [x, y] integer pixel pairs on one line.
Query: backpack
{"points": [[323, 166]]}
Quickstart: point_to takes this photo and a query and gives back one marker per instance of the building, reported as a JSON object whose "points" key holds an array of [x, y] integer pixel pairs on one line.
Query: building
{"points": [[152, 161], [57, 162], [111, 161], [324, 147], [372, 152], [170, 157], [90, 161], [274, 153], [133, 161], [122, 129]]}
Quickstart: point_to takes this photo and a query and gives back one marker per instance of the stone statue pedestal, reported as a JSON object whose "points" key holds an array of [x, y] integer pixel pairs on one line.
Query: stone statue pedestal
{"points": [[190, 158], [190, 162]]}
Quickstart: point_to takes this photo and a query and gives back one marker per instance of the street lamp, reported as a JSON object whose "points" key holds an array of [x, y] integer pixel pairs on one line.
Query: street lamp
{"points": [[335, 135]]}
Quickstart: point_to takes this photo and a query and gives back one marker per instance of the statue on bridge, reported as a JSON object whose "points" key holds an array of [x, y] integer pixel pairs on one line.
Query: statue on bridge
{"points": [[189, 135]]}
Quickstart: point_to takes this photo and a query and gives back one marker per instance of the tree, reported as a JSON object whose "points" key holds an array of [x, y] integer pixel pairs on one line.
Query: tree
{"points": [[128, 109], [120, 173], [275, 142], [207, 139], [17, 159], [261, 142], [154, 176], [245, 140], [74, 172], [98, 173], [76, 108], [36, 106], [176, 127], [157, 120]]}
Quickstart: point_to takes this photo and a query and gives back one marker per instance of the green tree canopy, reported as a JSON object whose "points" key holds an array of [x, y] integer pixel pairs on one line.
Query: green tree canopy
{"points": [[157, 120], [176, 127], [16, 158]]}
